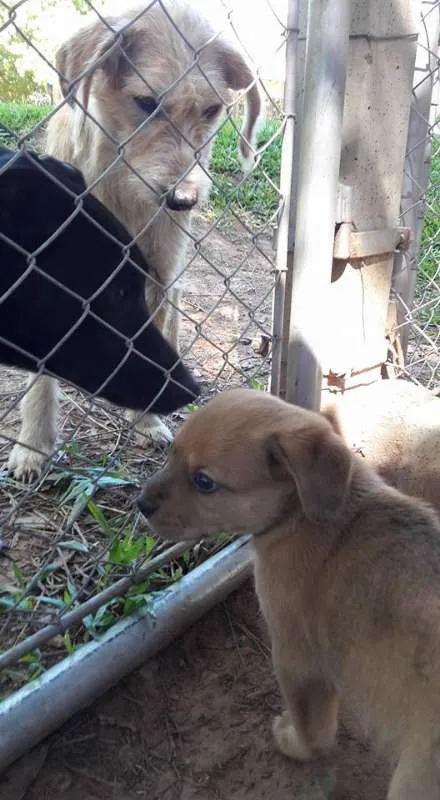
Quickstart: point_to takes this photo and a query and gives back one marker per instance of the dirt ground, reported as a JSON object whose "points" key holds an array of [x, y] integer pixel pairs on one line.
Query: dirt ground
{"points": [[194, 724]]}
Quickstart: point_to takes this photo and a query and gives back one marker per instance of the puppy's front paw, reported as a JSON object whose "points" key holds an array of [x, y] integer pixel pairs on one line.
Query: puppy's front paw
{"points": [[151, 430], [288, 740], [25, 465]]}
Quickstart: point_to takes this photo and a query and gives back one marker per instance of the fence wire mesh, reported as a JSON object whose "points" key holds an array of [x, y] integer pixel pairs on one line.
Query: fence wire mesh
{"points": [[151, 136], [75, 554], [417, 272]]}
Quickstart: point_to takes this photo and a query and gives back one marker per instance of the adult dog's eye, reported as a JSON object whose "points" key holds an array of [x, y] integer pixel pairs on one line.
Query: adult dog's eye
{"points": [[203, 483], [212, 111], [147, 104]]}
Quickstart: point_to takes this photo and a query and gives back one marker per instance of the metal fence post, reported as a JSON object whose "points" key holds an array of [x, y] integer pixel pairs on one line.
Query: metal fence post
{"points": [[328, 28], [286, 219]]}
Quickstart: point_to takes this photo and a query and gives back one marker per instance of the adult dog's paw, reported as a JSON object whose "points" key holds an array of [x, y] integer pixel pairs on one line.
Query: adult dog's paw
{"points": [[287, 739], [150, 430], [25, 465]]}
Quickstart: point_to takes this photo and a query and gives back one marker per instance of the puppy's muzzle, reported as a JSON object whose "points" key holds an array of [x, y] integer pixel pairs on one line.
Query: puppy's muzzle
{"points": [[182, 198], [148, 503]]}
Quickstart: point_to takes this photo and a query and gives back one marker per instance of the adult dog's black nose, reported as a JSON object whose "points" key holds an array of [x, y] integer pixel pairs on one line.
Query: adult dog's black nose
{"points": [[182, 198], [148, 504]]}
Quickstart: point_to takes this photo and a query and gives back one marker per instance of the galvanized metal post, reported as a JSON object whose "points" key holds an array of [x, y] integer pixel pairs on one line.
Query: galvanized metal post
{"points": [[417, 161], [286, 220], [328, 27]]}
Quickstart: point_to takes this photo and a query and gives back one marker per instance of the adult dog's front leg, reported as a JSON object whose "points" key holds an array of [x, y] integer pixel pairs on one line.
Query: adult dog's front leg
{"points": [[172, 314], [167, 318], [38, 432], [308, 726]]}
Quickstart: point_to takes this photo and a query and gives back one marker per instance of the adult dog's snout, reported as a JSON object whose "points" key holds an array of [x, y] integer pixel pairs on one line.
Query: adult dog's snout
{"points": [[182, 197]]}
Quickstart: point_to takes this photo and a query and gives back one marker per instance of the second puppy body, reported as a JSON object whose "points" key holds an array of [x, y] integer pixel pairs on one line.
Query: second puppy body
{"points": [[347, 573], [396, 426]]}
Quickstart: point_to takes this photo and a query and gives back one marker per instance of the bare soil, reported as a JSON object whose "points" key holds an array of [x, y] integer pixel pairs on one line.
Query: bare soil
{"points": [[194, 724]]}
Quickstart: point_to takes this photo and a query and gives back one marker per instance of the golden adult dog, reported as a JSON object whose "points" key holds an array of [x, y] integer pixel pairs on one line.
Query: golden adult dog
{"points": [[347, 572], [145, 94]]}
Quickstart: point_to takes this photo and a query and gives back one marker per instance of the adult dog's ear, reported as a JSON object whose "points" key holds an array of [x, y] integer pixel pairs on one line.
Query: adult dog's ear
{"points": [[319, 463], [98, 46], [239, 76]]}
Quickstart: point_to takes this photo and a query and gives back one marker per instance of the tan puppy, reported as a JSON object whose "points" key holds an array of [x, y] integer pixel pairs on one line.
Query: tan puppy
{"points": [[347, 572]]}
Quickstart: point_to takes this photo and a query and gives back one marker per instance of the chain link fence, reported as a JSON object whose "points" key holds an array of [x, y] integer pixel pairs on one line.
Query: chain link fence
{"points": [[75, 553], [76, 557], [416, 284]]}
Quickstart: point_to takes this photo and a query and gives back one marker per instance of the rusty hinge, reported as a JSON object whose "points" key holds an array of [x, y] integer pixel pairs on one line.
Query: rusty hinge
{"points": [[352, 378], [350, 244]]}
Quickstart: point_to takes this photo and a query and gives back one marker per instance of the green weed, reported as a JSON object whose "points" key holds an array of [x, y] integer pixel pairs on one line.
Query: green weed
{"points": [[18, 120], [256, 193]]}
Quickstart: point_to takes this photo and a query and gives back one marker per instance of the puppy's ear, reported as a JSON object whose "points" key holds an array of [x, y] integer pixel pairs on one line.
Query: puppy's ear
{"points": [[239, 76], [321, 466], [96, 47]]}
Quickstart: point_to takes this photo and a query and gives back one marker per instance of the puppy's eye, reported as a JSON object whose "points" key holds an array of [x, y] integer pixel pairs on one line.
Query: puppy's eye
{"points": [[147, 104], [203, 483], [212, 111]]}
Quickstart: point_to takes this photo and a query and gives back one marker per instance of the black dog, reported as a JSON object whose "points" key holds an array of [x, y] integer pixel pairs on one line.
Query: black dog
{"points": [[72, 291]]}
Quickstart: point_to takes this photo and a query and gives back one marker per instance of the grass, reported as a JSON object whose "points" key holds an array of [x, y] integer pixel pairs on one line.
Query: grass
{"points": [[256, 193], [426, 306], [17, 120], [430, 247]]}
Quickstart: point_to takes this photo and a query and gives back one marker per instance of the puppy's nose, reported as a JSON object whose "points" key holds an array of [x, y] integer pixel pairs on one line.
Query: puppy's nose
{"points": [[182, 198], [148, 504]]}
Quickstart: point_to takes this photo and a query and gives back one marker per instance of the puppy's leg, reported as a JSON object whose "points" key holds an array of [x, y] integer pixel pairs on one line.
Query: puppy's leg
{"points": [[38, 429], [308, 727], [417, 776]]}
